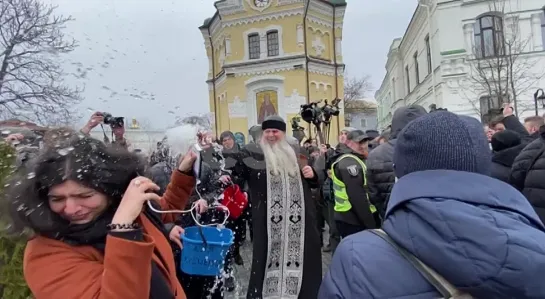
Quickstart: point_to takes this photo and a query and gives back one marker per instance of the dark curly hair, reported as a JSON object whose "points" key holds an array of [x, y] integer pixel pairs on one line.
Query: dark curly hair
{"points": [[85, 160]]}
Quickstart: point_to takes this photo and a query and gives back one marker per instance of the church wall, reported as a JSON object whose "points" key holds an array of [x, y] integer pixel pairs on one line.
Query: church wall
{"points": [[286, 27], [319, 41], [240, 90]]}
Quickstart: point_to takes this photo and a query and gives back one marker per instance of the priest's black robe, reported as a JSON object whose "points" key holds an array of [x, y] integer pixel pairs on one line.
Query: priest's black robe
{"points": [[251, 166]]}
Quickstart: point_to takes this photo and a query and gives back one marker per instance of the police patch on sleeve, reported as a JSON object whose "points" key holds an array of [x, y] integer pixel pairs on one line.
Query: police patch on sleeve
{"points": [[353, 170]]}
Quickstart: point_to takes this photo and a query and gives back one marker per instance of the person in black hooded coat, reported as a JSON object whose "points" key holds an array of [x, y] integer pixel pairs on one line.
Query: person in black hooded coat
{"points": [[528, 172], [380, 165], [506, 145]]}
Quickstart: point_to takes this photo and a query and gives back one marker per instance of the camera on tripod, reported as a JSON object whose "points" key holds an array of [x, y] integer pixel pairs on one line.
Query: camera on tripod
{"points": [[314, 114], [320, 116]]}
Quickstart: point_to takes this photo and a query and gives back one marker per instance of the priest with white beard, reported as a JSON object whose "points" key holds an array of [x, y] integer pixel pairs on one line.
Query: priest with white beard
{"points": [[287, 261]]}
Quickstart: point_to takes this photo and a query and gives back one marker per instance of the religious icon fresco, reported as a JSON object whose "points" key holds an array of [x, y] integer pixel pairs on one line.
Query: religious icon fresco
{"points": [[267, 104]]}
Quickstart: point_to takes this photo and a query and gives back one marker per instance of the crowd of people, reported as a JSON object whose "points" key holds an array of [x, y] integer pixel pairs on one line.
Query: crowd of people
{"points": [[433, 207]]}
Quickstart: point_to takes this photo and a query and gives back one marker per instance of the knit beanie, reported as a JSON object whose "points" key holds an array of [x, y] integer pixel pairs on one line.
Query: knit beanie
{"points": [[442, 140], [274, 122], [504, 140]]}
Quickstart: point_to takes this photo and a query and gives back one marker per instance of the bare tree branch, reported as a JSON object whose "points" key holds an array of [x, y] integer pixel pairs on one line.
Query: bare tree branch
{"points": [[500, 71], [31, 78], [355, 89]]}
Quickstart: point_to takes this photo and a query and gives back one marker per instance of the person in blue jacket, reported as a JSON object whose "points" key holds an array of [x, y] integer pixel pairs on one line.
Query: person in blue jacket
{"points": [[478, 233]]}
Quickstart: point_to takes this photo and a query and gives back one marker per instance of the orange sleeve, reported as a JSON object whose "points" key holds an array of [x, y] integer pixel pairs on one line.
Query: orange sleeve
{"points": [[54, 270], [177, 195]]}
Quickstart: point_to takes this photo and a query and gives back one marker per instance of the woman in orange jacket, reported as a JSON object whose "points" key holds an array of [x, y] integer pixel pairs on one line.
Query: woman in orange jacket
{"points": [[94, 234]]}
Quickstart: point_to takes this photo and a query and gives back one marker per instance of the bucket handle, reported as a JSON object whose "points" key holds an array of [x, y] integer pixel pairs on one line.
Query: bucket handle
{"points": [[193, 207]]}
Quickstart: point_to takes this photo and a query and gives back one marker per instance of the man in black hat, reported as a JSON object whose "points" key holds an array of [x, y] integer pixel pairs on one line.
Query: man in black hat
{"points": [[353, 211], [286, 260]]}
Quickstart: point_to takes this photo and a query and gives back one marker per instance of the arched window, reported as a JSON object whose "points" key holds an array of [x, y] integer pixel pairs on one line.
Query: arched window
{"points": [[489, 40], [254, 46], [273, 47]]}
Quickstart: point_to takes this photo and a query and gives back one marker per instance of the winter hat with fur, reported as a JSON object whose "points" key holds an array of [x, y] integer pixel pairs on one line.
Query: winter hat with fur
{"points": [[442, 140]]}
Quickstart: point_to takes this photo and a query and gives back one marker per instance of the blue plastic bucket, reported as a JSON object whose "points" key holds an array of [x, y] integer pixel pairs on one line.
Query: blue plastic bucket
{"points": [[206, 260]]}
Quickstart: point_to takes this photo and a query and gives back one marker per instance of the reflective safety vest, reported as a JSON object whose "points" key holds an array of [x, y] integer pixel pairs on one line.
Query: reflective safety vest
{"points": [[342, 202]]}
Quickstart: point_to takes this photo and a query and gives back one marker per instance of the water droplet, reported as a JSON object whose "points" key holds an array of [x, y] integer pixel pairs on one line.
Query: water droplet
{"points": [[31, 175], [65, 151]]}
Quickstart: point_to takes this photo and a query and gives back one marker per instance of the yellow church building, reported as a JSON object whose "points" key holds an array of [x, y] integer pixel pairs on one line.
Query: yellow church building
{"points": [[269, 57]]}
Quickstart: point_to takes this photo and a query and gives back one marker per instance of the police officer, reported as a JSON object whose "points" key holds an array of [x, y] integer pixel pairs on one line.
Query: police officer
{"points": [[353, 211]]}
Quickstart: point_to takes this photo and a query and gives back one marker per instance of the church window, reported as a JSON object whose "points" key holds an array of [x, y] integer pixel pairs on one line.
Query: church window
{"points": [[489, 36], [254, 46], [272, 43]]}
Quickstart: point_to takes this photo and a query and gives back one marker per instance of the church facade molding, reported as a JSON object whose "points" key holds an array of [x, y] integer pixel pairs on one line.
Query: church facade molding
{"points": [[288, 2], [277, 15], [325, 69], [293, 102], [238, 109], [273, 67]]}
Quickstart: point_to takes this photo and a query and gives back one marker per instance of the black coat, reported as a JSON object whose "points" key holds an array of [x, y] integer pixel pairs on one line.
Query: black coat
{"points": [[502, 161], [251, 167], [380, 175], [528, 174]]}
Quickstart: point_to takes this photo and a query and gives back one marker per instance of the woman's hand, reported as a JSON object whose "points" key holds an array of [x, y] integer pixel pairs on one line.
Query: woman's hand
{"points": [[187, 161], [14, 139], [225, 179], [201, 206], [138, 192], [175, 235]]}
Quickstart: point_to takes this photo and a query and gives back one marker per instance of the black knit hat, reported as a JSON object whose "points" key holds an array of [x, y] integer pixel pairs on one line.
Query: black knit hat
{"points": [[504, 140], [274, 122], [442, 140]]}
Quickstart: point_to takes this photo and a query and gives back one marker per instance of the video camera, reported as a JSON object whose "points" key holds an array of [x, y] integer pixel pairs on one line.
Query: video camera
{"points": [[114, 122], [320, 116], [314, 114]]}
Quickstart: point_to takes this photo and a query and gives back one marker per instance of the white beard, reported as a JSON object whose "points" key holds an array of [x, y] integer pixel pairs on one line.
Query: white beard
{"points": [[280, 156]]}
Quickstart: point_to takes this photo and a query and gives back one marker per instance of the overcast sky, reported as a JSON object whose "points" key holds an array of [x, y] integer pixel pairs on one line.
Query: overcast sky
{"points": [[153, 49]]}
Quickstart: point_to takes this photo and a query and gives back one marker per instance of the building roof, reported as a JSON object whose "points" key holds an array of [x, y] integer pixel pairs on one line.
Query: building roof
{"points": [[207, 21]]}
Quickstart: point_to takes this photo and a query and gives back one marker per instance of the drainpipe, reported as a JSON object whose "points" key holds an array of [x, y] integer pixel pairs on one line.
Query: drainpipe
{"points": [[427, 4], [307, 5], [336, 66], [213, 81]]}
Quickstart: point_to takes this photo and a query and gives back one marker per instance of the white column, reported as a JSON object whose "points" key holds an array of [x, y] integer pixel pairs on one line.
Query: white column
{"points": [[263, 45], [228, 45], [210, 62], [338, 46], [536, 32], [300, 35], [468, 38]]}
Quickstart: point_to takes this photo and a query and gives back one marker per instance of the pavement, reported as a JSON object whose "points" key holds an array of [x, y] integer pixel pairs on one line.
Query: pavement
{"points": [[242, 273]]}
